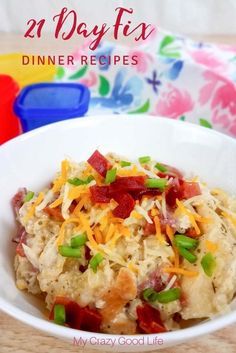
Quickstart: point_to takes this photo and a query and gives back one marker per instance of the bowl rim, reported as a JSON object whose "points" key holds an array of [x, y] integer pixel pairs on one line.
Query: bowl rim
{"points": [[205, 327]]}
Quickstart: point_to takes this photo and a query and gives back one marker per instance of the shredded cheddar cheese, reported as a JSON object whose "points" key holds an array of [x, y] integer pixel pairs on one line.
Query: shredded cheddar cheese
{"points": [[136, 215], [56, 203], [130, 172], [77, 191], [103, 223], [183, 210], [80, 205], [110, 232], [87, 229], [154, 212], [98, 235], [158, 229]]}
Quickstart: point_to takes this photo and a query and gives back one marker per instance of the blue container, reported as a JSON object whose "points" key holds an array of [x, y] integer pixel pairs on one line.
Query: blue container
{"points": [[45, 103]]}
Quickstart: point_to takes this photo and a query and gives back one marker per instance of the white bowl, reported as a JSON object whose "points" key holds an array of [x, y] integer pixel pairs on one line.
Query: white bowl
{"points": [[32, 159]]}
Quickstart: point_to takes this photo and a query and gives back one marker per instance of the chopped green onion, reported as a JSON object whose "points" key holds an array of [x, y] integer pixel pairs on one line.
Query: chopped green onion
{"points": [[144, 159], [95, 261], [161, 167], [185, 242], [165, 296], [59, 314], [110, 176], [150, 295], [170, 295], [78, 240], [208, 264], [28, 196], [125, 164], [68, 251], [187, 255], [78, 182], [156, 183]]}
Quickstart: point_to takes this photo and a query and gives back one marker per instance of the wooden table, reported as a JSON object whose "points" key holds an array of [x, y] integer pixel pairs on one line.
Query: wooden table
{"points": [[16, 337]]}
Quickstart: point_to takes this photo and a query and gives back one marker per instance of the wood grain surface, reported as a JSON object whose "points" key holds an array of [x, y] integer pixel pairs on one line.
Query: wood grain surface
{"points": [[16, 337]]}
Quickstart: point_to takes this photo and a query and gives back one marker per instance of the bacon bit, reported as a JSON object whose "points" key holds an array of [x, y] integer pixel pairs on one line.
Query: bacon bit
{"points": [[127, 184], [191, 232], [18, 200], [98, 235], [149, 319], [54, 213], [125, 205], [170, 233], [177, 317], [147, 192], [154, 281], [181, 190], [180, 271], [22, 240], [172, 194], [99, 163], [56, 203], [85, 319], [210, 246], [72, 206], [100, 194], [158, 229], [190, 189], [149, 229], [174, 171]]}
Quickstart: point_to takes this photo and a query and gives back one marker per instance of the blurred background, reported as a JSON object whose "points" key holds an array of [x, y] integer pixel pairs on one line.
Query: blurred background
{"points": [[187, 71], [212, 20]]}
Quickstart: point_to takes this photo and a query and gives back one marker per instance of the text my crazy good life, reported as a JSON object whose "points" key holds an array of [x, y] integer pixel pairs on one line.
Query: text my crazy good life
{"points": [[67, 25]]}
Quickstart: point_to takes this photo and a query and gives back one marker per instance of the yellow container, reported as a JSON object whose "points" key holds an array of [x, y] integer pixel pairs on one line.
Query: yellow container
{"points": [[11, 64]]}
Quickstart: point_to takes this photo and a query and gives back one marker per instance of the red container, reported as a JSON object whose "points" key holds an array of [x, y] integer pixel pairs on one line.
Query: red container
{"points": [[9, 124]]}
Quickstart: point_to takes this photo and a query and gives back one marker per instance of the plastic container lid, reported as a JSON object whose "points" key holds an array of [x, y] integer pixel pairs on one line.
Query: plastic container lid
{"points": [[45, 103]]}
